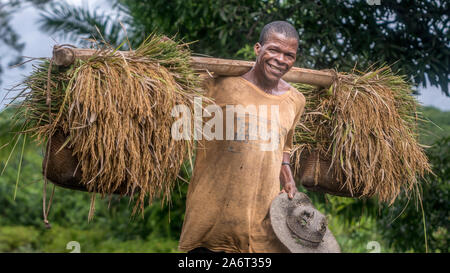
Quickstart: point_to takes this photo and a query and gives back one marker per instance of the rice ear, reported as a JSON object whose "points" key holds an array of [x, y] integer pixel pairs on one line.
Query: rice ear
{"points": [[115, 110], [366, 125]]}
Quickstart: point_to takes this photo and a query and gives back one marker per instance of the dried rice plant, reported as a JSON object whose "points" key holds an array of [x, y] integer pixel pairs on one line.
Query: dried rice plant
{"points": [[366, 124], [116, 112]]}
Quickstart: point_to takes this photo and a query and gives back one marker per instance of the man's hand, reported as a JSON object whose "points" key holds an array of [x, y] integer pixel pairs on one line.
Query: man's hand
{"points": [[290, 189]]}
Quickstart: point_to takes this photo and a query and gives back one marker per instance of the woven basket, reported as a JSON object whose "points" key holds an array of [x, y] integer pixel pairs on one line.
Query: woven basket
{"points": [[63, 169], [314, 174]]}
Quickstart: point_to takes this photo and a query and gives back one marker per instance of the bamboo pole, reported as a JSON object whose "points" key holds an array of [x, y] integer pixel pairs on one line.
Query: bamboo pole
{"points": [[65, 56]]}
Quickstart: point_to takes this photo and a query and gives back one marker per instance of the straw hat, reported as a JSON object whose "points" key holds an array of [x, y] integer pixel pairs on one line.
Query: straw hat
{"points": [[301, 227]]}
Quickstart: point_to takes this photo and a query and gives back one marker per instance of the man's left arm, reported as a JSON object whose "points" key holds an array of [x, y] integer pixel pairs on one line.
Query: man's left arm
{"points": [[286, 177]]}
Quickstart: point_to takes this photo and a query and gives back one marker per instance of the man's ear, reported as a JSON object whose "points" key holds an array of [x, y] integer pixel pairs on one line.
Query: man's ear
{"points": [[257, 48]]}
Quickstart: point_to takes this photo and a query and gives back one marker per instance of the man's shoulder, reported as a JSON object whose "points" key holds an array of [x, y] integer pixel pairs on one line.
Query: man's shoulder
{"points": [[226, 80], [298, 96], [219, 81], [299, 100], [221, 86], [296, 93]]}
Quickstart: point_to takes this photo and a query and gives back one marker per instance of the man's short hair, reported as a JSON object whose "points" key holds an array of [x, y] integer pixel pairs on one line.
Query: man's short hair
{"points": [[281, 27]]}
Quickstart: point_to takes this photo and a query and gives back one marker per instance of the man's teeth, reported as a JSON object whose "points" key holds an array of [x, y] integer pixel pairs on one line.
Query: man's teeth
{"points": [[275, 68]]}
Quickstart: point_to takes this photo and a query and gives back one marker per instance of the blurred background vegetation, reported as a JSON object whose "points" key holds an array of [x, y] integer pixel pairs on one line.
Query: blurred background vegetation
{"points": [[410, 35]]}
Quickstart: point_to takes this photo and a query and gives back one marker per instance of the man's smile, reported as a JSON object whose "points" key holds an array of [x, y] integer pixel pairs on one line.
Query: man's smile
{"points": [[276, 69]]}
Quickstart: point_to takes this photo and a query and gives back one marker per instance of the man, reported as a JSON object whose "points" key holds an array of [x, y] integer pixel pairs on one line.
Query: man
{"points": [[234, 181]]}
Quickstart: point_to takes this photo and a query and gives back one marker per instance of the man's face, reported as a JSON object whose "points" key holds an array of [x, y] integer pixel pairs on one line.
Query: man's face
{"points": [[276, 56]]}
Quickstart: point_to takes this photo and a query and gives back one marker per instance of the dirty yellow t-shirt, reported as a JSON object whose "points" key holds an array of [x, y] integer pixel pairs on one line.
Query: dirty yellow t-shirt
{"points": [[236, 178]]}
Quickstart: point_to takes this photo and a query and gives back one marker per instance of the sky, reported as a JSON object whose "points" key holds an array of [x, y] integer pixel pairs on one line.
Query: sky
{"points": [[39, 44]]}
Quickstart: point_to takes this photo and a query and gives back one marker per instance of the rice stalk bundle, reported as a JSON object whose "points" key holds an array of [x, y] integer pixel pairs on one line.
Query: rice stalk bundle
{"points": [[115, 110], [366, 125]]}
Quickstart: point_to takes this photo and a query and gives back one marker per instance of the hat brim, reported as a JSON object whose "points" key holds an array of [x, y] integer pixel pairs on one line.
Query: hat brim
{"points": [[278, 216]]}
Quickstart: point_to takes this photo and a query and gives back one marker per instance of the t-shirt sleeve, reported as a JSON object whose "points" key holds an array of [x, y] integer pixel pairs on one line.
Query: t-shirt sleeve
{"points": [[290, 136]]}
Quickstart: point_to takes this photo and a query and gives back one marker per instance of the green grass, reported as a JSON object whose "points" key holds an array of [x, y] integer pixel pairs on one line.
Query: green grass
{"points": [[56, 240]]}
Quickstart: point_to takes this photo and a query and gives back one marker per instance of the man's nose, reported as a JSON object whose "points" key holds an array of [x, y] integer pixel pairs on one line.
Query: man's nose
{"points": [[281, 59]]}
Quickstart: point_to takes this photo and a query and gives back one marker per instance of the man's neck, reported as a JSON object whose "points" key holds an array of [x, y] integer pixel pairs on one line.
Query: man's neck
{"points": [[267, 86]]}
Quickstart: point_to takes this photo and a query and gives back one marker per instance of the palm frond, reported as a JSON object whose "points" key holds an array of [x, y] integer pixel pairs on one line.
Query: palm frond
{"points": [[74, 23]]}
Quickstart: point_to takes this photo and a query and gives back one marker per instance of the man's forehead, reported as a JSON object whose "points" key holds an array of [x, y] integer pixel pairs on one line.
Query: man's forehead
{"points": [[280, 39]]}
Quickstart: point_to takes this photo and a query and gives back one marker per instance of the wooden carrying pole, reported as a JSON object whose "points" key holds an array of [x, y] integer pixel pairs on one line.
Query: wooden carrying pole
{"points": [[65, 56]]}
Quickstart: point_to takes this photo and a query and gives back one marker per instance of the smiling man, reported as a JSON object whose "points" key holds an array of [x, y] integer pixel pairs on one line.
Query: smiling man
{"points": [[234, 180]]}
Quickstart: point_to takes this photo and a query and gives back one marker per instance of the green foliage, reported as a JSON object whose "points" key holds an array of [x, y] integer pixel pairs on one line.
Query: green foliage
{"points": [[30, 239], [355, 237], [85, 24], [220, 28], [18, 238], [436, 126], [247, 53]]}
